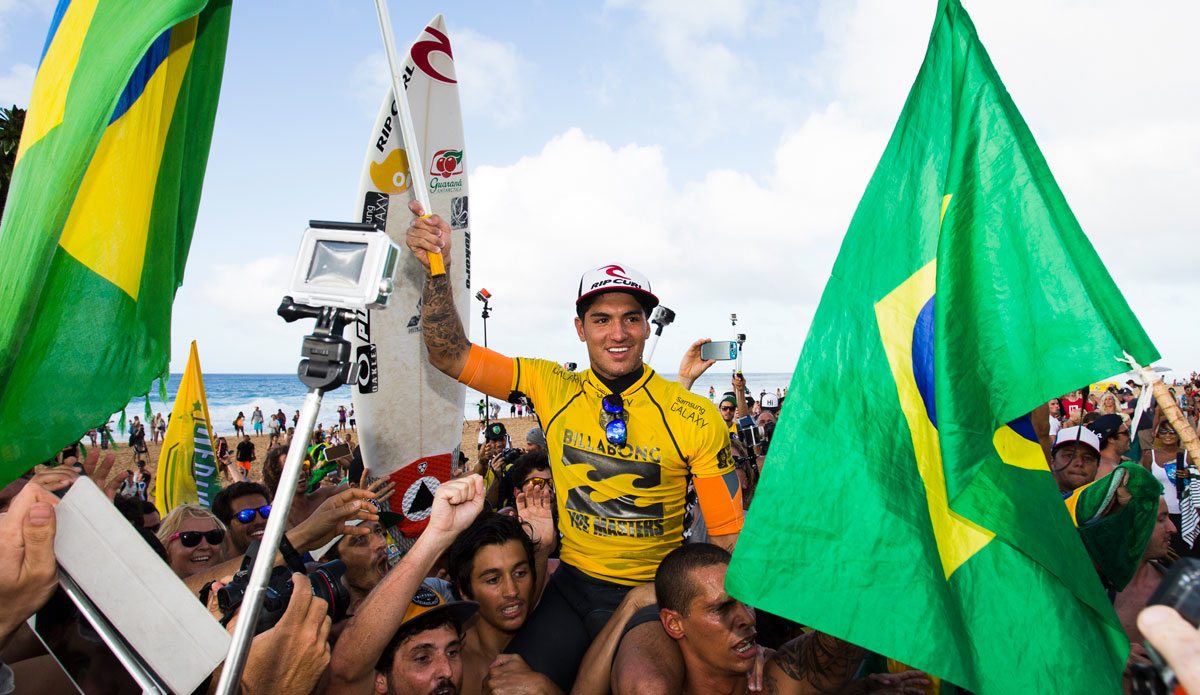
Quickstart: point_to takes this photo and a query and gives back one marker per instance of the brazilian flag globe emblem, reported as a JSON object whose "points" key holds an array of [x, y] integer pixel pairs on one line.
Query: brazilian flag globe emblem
{"points": [[928, 527]]}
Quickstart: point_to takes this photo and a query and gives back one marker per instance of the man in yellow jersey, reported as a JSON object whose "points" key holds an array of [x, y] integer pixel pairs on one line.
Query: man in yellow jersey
{"points": [[623, 442]]}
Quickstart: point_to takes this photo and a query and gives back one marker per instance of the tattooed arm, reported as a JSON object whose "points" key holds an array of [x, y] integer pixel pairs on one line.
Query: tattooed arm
{"points": [[812, 664], [443, 331]]}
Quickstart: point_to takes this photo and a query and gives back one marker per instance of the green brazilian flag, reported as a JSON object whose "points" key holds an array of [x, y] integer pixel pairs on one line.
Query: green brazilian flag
{"points": [[965, 294], [101, 210]]}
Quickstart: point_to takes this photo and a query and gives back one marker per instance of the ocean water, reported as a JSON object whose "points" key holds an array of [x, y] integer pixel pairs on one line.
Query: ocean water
{"points": [[229, 394]]}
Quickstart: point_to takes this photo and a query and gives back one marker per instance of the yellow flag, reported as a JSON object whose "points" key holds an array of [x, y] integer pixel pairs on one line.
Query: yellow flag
{"points": [[187, 468]]}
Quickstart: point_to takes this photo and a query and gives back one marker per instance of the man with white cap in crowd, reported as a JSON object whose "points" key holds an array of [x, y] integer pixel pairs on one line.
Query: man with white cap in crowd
{"points": [[1074, 458], [623, 444]]}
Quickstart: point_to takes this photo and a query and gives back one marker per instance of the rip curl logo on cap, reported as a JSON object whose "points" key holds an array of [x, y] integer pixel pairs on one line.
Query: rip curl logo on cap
{"points": [[615, 271], [425, 597]]}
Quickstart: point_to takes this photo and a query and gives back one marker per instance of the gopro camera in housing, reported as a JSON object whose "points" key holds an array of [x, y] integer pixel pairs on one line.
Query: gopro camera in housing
{"points": [[346, 265]]}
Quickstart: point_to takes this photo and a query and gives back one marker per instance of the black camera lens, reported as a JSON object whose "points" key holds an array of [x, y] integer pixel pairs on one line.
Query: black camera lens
{"points": [[329, 583]]}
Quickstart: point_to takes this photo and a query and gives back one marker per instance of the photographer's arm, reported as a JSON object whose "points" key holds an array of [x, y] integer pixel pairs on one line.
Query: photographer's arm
{"points": [[739, 392], [455, 505], [692, 366], [327, 521]]}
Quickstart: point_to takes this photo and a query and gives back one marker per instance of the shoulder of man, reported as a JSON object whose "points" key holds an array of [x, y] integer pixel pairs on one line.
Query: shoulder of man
{"points": [[680, 406], [544, 374]]}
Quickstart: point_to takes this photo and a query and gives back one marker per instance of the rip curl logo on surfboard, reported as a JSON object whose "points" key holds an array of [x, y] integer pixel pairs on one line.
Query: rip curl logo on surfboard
{"points": [[422, 54]]}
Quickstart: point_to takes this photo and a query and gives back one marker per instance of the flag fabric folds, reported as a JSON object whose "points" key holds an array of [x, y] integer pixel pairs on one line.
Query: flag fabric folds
{"points": [[929, 528], [101, 209], [187, 468]]}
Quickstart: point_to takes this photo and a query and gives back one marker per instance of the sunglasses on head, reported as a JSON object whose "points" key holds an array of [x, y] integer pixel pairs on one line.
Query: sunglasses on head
{"points": [[191, 539], [247, 515], [538, 482], [612, 419]]}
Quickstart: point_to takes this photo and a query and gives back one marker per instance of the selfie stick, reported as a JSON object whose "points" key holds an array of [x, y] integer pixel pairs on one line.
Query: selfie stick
{"points": [[416, 177], [661, 318], [326, 366]]}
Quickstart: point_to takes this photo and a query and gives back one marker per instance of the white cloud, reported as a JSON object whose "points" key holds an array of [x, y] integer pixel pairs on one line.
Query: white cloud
{"points": [[692, 38], [1117, 133], [489, 77], [230, 312], [721, 245], [252, 288], [370, 81], [17, 85], [488, 73]]}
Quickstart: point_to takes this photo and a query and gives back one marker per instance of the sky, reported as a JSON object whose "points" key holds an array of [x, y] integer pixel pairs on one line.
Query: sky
{"points": [[719, 147]]}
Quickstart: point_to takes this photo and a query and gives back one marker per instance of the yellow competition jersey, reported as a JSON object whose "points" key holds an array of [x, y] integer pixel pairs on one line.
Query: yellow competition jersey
{"points": [[621, 508]]}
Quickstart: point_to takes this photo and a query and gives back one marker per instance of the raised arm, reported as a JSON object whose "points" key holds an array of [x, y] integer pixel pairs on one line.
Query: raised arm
{"points": [[455, 505], [691, 366], [444, 336]]}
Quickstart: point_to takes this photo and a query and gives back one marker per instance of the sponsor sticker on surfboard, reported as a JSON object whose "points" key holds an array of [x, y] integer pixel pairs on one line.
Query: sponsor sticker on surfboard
{"points": [[408, 412]]}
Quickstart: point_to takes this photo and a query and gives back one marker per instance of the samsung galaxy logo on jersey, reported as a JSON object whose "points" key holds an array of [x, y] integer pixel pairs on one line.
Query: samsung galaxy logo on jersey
{"points": [[579, 440], [690, 412]]}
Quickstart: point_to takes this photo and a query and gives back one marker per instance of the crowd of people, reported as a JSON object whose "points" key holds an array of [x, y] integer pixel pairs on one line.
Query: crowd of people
{"points": [[589, 560]]}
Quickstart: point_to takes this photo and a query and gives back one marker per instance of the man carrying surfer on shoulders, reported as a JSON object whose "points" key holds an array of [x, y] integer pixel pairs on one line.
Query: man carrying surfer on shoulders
{"points": [[623, 443]]}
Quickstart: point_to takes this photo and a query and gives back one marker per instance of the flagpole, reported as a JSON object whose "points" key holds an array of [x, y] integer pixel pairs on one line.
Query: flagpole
{"points": [[412, 151]]}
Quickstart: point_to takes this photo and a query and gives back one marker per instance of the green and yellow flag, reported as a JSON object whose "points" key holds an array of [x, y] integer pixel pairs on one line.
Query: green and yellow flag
{"points": [[965, 294], [100, 213], [187, 467]]}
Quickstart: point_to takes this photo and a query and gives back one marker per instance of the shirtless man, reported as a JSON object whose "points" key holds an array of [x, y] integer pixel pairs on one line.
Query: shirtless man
{"points": [[1147, 578], [493, 562], [716, 636]]}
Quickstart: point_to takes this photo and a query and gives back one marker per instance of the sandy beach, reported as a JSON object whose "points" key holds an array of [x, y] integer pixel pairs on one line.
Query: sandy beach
{"points": [[517, 429]]}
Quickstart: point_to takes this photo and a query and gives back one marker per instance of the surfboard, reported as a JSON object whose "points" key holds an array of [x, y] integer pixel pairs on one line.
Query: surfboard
{"points": [[410, 414]]}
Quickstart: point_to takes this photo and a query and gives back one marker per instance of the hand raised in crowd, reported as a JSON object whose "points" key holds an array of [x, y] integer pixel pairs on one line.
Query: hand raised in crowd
{"points": [[99, 471], [427, 234], [330, 519], [739, 384], [455, 505], [55, 479], [1176, 640], [510, 675], [28, 572], [535, 507], [382, 489], [692, 366], [289, 658]]}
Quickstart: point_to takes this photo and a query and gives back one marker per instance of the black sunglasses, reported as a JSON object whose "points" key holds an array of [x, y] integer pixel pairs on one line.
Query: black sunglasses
{"points": [[191, 539], [247, 515]]}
